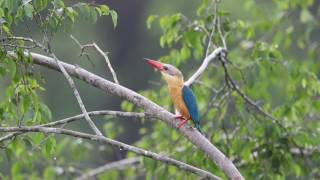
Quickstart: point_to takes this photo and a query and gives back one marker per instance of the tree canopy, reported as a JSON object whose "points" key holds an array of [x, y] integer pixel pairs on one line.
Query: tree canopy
{"points": [[258, 93]]}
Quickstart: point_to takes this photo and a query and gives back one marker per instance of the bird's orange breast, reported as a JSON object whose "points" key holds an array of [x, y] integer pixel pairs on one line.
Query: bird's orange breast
{"points": [[176, 95]]}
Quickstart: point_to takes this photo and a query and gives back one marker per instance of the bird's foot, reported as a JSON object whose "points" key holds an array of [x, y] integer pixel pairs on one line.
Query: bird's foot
{"points": [[183, 122], [179, 117]]}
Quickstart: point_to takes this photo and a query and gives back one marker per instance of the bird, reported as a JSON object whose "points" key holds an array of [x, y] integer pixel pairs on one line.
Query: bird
{"points": [[182, 96]]}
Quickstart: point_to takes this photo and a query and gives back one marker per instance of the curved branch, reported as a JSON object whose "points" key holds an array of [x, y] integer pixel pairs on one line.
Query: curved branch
{"points": [[112, 142], [204, 65], [193, 135]]}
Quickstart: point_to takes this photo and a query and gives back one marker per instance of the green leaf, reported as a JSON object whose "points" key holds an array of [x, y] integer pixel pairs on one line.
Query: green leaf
{"points": [[168, 22], [49, 173], [16, 168], [150, 20], [71, 14], [204, 5], [185, 53], [114, 17], [46, 111], [149, 164], [26, 101], [104, 10], [28, 8], [58, 4], [241, 23], [40, 4], [28, 142], [1, 13], [50, 146], [304, 83], [305, 16], [93, 15], [9, 153], [224, 13]]}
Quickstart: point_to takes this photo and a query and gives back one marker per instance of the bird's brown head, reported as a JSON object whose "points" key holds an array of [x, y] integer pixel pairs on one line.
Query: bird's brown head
{"points": [[170, 73]]}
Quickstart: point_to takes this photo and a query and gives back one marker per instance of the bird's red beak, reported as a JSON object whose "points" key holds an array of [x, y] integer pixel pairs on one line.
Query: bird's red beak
{"points": [[155, 64]]}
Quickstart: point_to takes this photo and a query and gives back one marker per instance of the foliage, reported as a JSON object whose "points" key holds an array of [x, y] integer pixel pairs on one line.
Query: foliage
{"points": [[273, 57], [275, 62], [36, 156]]}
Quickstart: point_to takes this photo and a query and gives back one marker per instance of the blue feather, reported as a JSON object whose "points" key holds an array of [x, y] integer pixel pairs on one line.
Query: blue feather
{"points": [[191, 103]]}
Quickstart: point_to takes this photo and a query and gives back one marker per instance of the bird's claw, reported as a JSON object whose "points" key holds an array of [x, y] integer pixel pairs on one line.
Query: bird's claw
{"points": [[182, 120], [182, 123], [179, 117]]}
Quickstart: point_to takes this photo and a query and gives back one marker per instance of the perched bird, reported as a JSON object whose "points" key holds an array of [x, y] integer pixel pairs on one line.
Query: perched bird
{"points": [[182, 96]]}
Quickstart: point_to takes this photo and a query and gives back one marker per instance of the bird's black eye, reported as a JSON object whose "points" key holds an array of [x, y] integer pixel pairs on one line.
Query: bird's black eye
{"points": [[165, 68]]}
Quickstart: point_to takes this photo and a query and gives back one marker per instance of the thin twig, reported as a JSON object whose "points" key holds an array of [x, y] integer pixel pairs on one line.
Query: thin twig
{"points": [[222, 37], [119, 165], [77, 94], [80, 116], [214, 23], [105, 56], [98, 138], [235, 87]]}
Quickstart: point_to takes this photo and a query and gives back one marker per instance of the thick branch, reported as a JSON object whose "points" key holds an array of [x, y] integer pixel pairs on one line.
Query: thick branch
{"points": [[98, 138], [204, 65], [193, 135]]}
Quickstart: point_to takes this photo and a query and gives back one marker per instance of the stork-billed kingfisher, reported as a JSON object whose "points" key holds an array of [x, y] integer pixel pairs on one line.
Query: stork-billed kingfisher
{"points": [[182, 96]]}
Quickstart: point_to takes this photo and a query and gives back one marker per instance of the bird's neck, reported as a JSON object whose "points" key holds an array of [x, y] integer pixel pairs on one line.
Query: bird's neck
{"points": [[174, 81]]}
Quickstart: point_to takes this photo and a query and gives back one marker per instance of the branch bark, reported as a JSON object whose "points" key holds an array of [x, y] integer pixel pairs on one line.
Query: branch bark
{"points": [[204, 65], [98, 138], [193, 135]]}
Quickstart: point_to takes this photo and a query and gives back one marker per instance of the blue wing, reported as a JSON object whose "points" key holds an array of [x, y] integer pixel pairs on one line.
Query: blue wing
{"points": [[191, 103]]}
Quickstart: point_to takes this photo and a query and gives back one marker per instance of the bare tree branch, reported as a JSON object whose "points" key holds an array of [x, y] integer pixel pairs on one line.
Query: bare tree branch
{"points": [[77, 94], [98, 138], [204, 65], [69, 79], [104, 54], [80, 116], [121, 164], [214, 24], [222, 37], [193, 135]]}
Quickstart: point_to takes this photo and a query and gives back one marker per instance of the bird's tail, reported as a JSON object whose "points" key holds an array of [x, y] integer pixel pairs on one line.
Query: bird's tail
{"points": [[199, 128]]}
